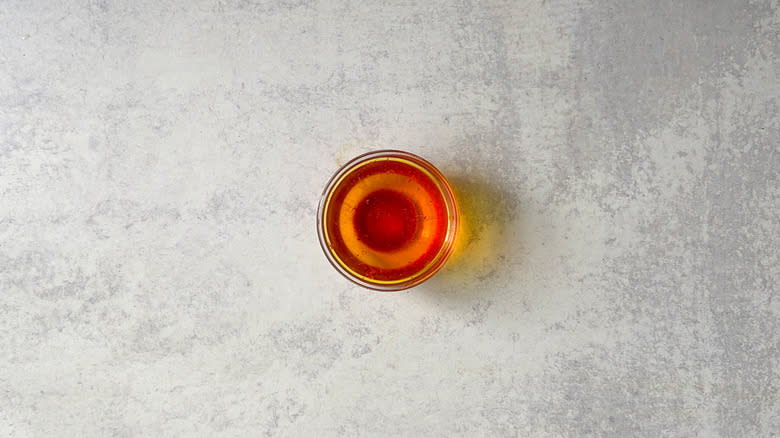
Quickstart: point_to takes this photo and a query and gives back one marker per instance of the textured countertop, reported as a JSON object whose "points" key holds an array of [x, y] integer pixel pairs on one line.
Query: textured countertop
{"points": [[617, 164]]}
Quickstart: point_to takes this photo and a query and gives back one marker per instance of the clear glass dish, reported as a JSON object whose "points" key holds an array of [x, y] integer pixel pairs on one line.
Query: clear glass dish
{"points": [[387, 220]]}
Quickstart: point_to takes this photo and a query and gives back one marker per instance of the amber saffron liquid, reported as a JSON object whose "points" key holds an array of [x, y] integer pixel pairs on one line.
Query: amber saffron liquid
{"points": [[386, 220]]}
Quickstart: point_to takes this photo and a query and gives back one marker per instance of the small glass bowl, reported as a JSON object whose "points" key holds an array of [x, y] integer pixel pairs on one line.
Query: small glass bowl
{"points": [[435, 220]]}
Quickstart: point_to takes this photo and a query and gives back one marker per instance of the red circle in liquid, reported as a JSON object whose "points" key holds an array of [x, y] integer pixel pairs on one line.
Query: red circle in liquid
{"points": [[386, 220]]}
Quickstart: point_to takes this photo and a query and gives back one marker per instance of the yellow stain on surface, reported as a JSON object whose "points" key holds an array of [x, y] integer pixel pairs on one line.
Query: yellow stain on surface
{"points": [[481, 239]]}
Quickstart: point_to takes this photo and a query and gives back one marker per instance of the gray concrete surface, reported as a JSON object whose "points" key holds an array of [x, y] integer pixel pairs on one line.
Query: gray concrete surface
{"points": [[161, 163]]}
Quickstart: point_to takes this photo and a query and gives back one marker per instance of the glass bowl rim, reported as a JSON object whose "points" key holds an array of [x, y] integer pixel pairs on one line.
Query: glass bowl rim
{"points": [[453, 219]]}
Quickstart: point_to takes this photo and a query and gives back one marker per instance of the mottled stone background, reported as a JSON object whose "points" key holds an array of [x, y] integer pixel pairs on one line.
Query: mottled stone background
{"points": [[161, 164]]}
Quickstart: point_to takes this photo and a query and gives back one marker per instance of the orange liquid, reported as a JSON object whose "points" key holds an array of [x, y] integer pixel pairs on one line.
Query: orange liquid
{"points": [[386, 220]]}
